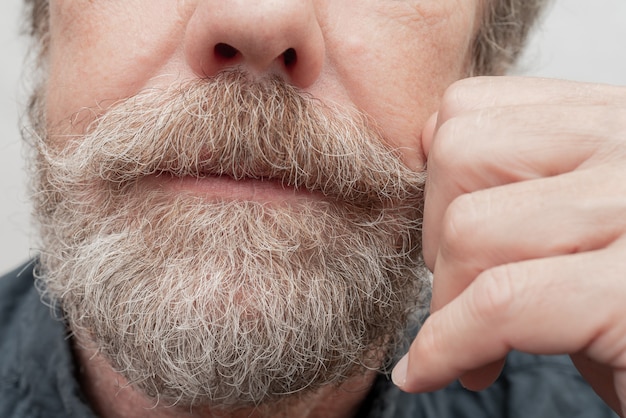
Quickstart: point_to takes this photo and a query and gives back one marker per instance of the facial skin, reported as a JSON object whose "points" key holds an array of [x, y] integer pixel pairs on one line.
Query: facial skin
{"points": [[389, 61]]}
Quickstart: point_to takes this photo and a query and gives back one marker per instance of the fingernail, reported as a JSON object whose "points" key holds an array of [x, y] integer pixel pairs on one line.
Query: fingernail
{"points": [[398, 375]]}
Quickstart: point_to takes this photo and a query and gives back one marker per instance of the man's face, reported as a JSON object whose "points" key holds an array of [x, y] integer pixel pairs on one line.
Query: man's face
{"points": [[229, 192]]}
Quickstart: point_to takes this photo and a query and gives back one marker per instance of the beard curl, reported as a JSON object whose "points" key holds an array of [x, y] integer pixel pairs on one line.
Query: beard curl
{"points": [[229, 303]]}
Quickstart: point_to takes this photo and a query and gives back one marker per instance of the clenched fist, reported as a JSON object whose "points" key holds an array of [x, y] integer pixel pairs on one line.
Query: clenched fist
{"points": [[525, 232]]}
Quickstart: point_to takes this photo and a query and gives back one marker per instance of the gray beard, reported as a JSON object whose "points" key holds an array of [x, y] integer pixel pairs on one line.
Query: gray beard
{"points": [[229, 303]]}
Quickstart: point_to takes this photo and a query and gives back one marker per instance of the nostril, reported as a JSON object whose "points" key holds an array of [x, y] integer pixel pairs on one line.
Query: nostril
{"points": [[290, 57], [225, 51]]}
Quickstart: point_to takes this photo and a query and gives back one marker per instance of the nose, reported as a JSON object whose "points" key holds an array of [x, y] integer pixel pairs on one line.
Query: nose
{"points": [[280, 37]]}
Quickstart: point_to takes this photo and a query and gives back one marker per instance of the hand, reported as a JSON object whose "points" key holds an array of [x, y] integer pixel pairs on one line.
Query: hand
{"points": [[525, 232]]}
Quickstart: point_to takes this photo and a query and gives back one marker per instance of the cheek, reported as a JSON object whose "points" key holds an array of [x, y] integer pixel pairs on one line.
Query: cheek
{"points": [[397, 67], [102, 52]]}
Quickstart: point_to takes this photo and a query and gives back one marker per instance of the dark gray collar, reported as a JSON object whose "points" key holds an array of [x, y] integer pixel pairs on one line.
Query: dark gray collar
{"points": [[37, 373]]}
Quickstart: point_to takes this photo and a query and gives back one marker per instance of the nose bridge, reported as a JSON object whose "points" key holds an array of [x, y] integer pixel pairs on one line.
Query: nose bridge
{"points": [[263, 36]]}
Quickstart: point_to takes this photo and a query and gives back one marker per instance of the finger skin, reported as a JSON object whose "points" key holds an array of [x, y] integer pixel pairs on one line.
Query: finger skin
{"points": [[516, 223], [497, 130], [491, 148], [524, 225], [428, 133], [512, 307], [489, 92]]}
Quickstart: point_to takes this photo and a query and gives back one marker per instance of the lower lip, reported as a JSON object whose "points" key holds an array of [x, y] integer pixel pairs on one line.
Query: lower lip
{"points": [[220, 188]]}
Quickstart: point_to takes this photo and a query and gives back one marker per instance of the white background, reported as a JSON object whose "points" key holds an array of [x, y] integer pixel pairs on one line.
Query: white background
{"points": [[579, 40]]}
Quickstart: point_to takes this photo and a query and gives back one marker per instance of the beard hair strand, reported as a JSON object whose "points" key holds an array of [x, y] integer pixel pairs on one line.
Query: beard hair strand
{"points": [[231, 304]]}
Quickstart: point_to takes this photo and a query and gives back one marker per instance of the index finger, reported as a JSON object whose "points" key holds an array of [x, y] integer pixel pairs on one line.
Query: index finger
{"points": [[521, 306], [477, 93], [466, 108]]}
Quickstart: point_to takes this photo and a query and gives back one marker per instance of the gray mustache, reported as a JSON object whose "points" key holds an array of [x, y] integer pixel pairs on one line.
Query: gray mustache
{"points": [[237, 126]]}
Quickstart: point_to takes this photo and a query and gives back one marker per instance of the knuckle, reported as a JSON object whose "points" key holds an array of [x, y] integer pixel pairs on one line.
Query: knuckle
{"points": [[433, 339], [461, 225], [427, 341], [495, 296], [448, 152], [452, 101], [460, 96]]}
